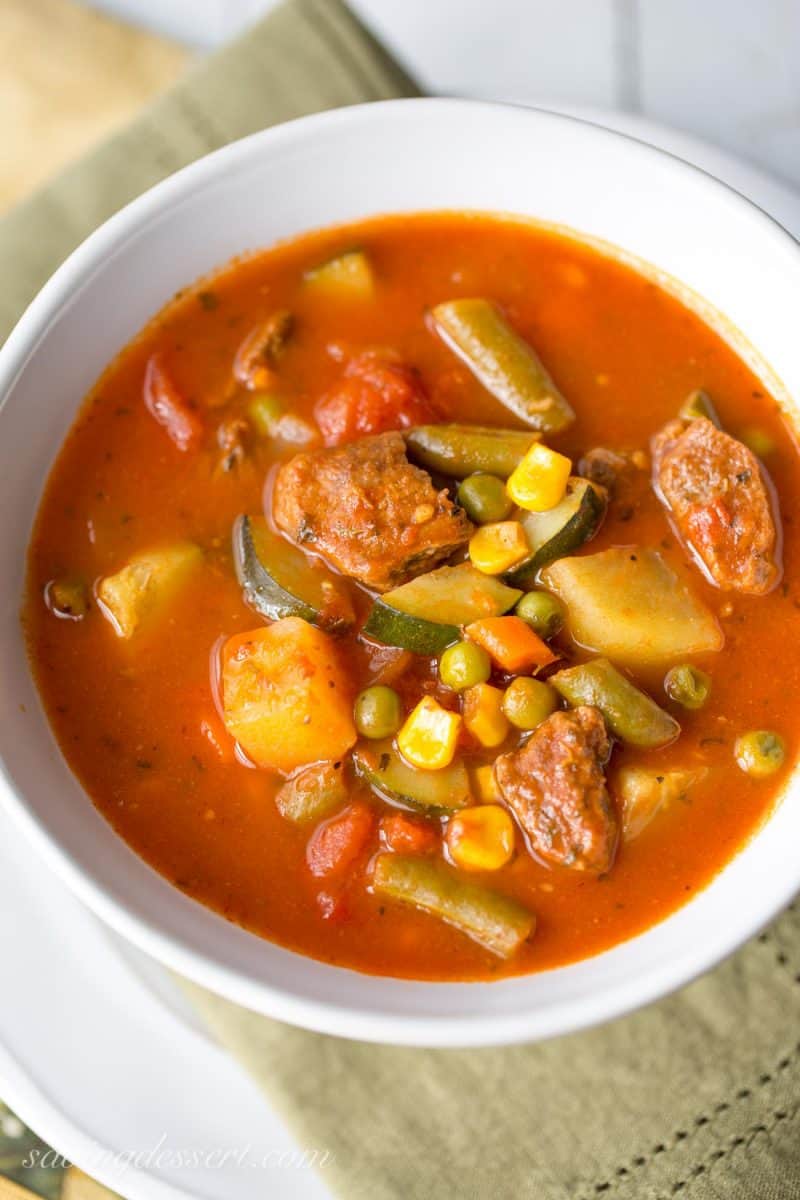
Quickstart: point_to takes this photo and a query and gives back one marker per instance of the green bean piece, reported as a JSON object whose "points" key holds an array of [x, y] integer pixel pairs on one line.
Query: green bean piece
{"points": [[759, 441], [464, 665], [687, 685], [699, 404], [313, 794], [503, 362], [760, 753], [528, 702], [630, 714], [543, 612], [68, 597], [264, 411], [484, 498], [496, 922], [378, 712], [461, 450]]}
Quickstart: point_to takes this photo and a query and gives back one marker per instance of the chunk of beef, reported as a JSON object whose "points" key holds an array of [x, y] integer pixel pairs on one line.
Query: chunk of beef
{"points": [[716, 493], [555, 786], [368, 511]]}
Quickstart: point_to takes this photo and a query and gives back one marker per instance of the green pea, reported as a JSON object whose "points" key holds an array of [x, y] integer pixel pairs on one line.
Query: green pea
{"points": [[760, 753], [528, 702], [543, 612], [264, 410], [484, 498], [378, 712], [464, 665], [687, 685]]}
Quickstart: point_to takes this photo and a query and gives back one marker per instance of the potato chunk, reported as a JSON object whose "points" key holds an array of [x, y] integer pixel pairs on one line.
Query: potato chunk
{"points": [[628, 604], [286, 697], [133, 594], [643, 792]]}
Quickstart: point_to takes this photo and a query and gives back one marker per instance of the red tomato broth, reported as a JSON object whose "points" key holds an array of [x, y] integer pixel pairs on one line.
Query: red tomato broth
{"points": [[129, 715]]}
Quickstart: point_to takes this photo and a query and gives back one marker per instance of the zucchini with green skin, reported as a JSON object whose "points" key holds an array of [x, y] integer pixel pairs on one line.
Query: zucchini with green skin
{"points": [[435, 793], [424, 615], [462, 450], [494, 921], [312, 794], [629, 713], [561, 530], [507, 366], [278, 581]]}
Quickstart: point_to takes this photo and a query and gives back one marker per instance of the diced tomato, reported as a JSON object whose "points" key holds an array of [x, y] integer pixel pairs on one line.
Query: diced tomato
{"points": [[408, 835], [374, 396], [336, 844], [168, 406]]}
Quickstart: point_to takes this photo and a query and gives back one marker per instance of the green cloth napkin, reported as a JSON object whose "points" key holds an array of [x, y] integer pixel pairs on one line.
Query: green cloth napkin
{"points": [[696, 1096]]}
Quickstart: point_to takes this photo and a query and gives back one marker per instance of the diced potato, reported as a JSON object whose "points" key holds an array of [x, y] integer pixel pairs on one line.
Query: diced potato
{"points": [[643, 792], [628, 604], [135, 593], [348, 274], [286, 696]]}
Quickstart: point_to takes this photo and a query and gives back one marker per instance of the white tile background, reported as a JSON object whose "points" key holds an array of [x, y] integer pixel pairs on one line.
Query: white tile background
{"points": [[728, 70]]}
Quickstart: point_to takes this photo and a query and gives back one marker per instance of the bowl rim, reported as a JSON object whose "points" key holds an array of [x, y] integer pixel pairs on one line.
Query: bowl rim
{"points": [[198, 965]]}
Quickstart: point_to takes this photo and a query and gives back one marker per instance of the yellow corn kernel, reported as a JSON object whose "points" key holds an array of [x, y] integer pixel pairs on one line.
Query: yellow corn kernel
{"points": [[483, 714], [540, 480], [496, 547], [485, 784], [481, 838], [429, 736]]}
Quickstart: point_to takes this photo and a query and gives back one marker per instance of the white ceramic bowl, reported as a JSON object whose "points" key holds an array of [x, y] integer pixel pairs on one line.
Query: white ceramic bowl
{"points": [[398, 156]]}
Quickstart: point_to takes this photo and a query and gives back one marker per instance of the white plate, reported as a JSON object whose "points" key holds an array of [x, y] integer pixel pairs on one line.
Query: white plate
{"points": [[98, 1050]]}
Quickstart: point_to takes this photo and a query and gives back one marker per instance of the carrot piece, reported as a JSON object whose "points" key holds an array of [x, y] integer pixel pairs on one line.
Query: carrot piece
{"points": [[511, 643], [286, 696], [408, 835], [164, 402], [335, 845]]}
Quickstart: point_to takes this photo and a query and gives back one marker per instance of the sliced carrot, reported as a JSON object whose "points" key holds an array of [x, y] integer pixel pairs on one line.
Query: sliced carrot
{"points": [[511, 643], [408, 835], [335, 845]]}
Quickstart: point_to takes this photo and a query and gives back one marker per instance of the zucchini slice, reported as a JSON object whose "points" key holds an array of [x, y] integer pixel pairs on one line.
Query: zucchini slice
{"points": [[277, 579], [424, 615], [461, 450], [436, 793], [561, 530]]}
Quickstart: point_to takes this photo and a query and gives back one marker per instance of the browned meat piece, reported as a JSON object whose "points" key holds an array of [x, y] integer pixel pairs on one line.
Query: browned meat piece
{"points": [[716, 493], [617, 470], [368, 511], [555, 786]]}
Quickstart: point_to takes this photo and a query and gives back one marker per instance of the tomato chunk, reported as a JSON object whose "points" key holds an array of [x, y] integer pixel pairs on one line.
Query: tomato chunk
{"points": [[164, 402], [374, 396], [408, 835], [335, 845]]}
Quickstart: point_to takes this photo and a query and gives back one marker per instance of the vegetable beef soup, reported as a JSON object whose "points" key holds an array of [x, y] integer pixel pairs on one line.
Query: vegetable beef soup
{"points": [[416, 595]]}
